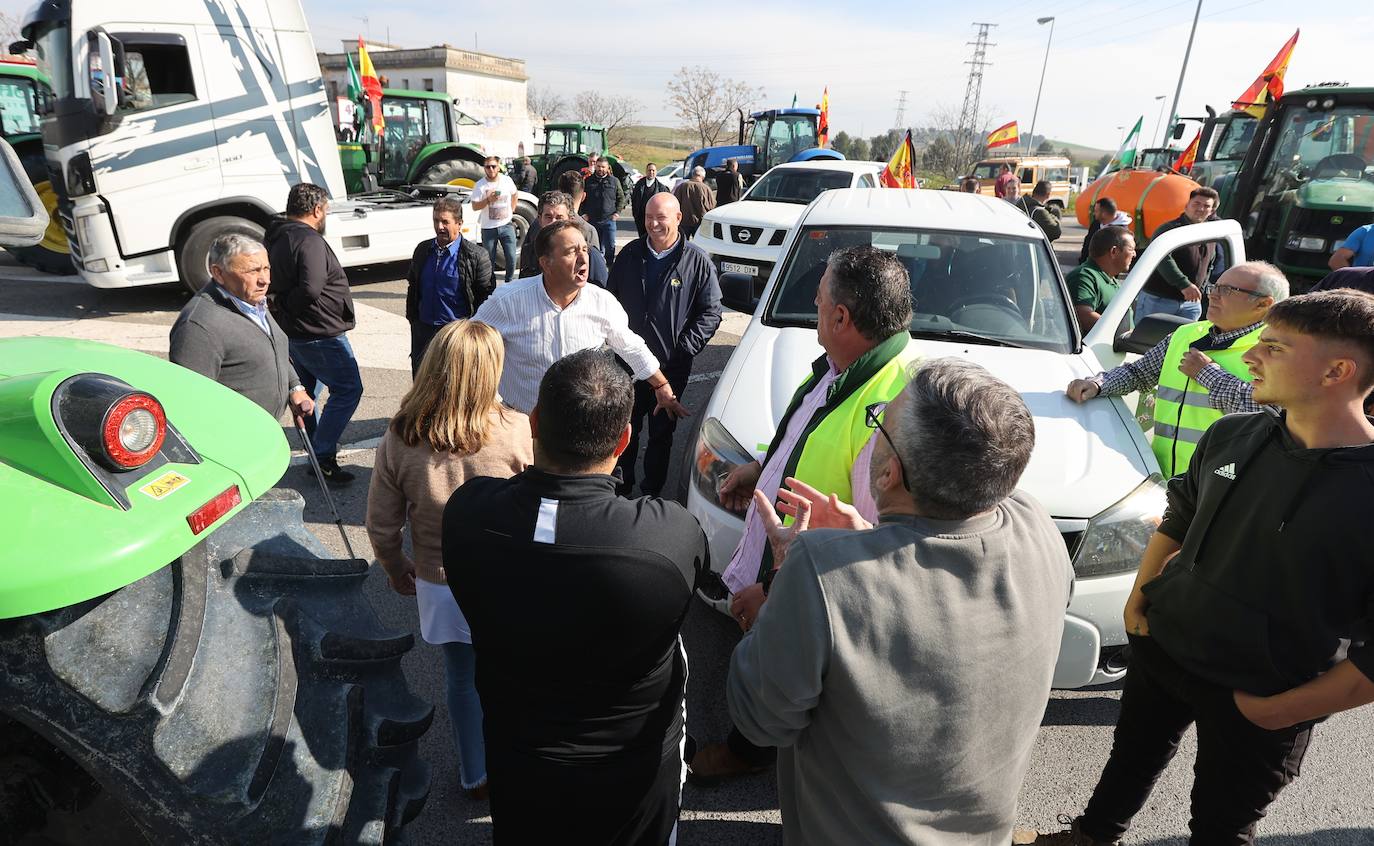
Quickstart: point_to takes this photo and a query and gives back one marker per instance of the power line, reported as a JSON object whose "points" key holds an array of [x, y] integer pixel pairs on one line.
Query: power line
{"points": [[900, 121], [964, 141]]}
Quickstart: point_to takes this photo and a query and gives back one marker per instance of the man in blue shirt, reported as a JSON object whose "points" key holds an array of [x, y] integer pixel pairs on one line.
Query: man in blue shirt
{"points": [[448, 279], [1356, 251]]}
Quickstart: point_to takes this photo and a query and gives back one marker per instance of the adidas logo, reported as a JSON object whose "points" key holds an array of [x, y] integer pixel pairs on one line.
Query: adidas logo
{"points": [[1227, 471]]}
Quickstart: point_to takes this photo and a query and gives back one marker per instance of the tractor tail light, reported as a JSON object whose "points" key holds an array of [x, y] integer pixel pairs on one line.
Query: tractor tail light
{"points": [[205, 516], [133, 430]]}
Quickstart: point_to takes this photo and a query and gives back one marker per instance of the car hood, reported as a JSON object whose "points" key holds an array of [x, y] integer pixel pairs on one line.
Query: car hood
{"points": [[754, 213], [1085, 458]]}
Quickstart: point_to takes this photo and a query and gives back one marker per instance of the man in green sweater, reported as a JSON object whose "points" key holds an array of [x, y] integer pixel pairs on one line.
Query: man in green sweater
{"points": [[1092, 284]]}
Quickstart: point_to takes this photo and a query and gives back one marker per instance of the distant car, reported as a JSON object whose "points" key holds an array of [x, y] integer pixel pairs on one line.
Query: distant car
{"points": [[670, 175], [746, 237]]}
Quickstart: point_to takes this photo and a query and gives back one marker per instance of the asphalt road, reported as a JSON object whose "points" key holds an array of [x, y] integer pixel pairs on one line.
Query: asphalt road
{"points": [[1332, 803]]}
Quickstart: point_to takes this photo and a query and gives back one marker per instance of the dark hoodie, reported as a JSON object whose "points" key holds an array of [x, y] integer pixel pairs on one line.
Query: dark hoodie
{"points": [[1275, 581], [309, 293]]}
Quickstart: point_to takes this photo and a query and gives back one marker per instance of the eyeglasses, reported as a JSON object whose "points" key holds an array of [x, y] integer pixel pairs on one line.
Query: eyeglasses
{"points": [[1218, 289], [488, 167], [873, 420]]}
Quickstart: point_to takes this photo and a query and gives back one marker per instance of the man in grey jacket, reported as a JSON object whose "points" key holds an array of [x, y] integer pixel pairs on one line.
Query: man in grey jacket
{"points": [[227, 334], [903, 668]]}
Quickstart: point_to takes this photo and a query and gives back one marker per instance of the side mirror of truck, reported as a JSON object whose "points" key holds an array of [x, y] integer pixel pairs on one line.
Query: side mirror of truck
{"points": [[737, 292], [1148, 331], [1179, 129]]}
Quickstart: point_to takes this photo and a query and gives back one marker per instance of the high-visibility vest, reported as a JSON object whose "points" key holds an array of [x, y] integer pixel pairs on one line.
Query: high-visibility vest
{"points": [[1182, 409]]}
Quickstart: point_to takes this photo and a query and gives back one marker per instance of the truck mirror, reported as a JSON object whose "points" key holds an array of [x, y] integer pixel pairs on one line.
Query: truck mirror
{"points": [[23, 219], [1148, 331], [737, 292], [1179, 129], [104, 75]]}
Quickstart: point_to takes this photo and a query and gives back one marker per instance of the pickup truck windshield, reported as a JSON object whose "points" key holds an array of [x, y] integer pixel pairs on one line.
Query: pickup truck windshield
{"points": [[965, 287], [796, 184]]}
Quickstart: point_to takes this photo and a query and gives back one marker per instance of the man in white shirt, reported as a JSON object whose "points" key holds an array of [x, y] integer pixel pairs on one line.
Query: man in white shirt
{"points": [[543, 318], [494, 199]]}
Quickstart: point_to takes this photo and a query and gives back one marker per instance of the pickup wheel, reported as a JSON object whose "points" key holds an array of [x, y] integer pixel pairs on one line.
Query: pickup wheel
{"points": [[245, 693], [193, 255]]}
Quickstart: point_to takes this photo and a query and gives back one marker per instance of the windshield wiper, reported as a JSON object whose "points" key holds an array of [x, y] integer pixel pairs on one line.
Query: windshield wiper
{"points": [[961, 335]]}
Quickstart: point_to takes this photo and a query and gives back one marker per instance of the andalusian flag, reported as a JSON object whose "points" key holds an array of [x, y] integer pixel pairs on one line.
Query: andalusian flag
{"points": [[1269, 85], [1004, 135], [355, 85], [1184, 163], [898, 173], [371, 84], [823, 133], [1126, 153]]}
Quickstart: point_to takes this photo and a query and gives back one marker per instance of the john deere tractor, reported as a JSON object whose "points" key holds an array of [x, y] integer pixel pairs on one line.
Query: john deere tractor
{"points": [[567, 147], [420, 144]]}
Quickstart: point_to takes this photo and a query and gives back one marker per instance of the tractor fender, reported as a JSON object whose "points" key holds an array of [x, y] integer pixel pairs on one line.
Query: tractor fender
{"points": [[817, 153], [432, 154]]}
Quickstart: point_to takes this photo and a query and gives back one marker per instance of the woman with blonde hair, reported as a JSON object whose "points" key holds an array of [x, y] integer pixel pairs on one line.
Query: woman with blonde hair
{"points": [[451, 427]]}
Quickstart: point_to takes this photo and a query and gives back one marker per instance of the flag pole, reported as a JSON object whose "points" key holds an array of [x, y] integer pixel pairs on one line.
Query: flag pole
{"points": [[1183, 71]]}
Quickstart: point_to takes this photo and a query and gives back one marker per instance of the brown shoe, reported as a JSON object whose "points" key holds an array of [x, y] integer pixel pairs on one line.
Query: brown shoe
{"points": [[480, 793], [1072, 836], [715, 762]]}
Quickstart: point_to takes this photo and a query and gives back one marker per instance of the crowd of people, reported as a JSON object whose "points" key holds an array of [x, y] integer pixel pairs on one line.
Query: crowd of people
{"points": [[881, 521]]}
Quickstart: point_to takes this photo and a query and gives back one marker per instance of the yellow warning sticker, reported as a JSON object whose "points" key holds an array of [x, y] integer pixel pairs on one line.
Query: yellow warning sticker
{"points": [[164, 484]]}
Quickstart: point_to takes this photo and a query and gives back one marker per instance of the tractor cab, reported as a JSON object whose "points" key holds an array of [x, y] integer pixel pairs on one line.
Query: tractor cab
{"points": [[766, 139], [420, 144], [561, 139]]}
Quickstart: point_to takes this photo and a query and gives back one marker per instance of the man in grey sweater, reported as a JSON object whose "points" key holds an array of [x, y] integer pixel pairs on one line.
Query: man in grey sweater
{"points": [[904, 668], [227, 334]]}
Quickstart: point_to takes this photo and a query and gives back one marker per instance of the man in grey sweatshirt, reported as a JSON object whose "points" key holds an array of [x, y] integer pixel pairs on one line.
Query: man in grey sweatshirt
{"points": [[904, 668]]}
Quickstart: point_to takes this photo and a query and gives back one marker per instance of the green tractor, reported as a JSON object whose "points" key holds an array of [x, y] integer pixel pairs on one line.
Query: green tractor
{"points": [[1307, 179], [566, 147], [420, 144], [24, 94]]}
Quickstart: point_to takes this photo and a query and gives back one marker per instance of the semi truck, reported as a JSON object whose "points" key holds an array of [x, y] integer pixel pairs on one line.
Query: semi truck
{"points": [[172, 123]]}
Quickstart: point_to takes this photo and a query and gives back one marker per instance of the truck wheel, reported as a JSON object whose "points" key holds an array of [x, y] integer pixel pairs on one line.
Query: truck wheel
{"points": [[452, 172], [193, 255], [245, 693]]}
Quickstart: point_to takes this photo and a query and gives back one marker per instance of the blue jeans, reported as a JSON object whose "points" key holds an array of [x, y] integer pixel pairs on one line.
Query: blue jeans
{"points": [[1147, 304], [330, 362], [505, 236], [465, 713], [605, 230]]}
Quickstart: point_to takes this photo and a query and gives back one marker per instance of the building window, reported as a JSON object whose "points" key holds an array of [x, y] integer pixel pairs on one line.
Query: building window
{"points": [[429, 85], [405, 83]]}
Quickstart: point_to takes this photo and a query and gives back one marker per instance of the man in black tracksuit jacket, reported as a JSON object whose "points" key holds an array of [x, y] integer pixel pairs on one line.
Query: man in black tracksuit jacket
{"points": [[576, 598], [449, 277], [1259, 627], [669, 291]]}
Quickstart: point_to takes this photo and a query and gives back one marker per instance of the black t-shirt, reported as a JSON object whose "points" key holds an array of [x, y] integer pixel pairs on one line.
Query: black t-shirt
{"points": [[575, 598]]}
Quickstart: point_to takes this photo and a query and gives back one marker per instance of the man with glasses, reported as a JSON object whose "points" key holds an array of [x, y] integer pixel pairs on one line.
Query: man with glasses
{"points": [[1198, 369], [494, 199], [863, 305]]}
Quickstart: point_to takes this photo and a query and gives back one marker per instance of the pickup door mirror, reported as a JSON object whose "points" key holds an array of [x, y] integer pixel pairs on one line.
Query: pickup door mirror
{"points": [[1151, 329], [737, 292]]}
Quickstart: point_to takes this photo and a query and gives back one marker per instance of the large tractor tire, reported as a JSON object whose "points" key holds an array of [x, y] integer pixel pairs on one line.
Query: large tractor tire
{"points": [[459, 172], [52, 254], [564, 165], [245, 693], [193, 255], [522, 219]]}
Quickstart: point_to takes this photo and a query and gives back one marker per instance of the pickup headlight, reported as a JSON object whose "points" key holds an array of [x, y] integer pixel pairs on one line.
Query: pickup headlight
{"points": [[715, 454], [1115, 539]]}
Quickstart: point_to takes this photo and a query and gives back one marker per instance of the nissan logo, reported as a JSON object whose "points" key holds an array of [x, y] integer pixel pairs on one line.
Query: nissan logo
{"points": [[742, 235]]}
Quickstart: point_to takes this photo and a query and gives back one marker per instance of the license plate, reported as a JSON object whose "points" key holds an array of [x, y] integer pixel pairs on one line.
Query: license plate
{"points": [[747, 269]]}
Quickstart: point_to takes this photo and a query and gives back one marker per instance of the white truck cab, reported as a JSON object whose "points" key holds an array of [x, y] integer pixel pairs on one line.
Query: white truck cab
{"points": [[986, 287]]}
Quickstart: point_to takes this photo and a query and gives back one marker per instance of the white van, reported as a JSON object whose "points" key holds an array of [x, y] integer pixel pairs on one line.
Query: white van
{"points": [[987, 288]]}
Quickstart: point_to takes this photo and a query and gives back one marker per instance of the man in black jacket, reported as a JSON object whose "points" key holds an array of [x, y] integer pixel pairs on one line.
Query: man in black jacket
{"points": [[729, 184], [604, 199], [576, 598], [311, 301], [644, 190], [1176, 285], [555, 206], [1254, 602], [449, 277], [669, 290], [1036, 206]]}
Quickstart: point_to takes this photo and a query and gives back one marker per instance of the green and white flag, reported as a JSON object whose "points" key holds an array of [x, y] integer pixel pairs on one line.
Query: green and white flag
{"points": [[355, 85], [1127, 152]]}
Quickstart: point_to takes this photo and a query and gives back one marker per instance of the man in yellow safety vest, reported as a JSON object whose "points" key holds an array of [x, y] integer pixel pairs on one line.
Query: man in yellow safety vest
{"points": [[1198, 369]]}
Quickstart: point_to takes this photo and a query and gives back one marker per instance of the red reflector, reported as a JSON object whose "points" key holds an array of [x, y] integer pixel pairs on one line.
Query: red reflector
{"points": [[203, 517], [818, 234]]}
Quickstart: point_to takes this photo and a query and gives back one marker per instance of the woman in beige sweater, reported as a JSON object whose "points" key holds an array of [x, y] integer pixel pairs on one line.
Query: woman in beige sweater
{"points": [[451, 427]]}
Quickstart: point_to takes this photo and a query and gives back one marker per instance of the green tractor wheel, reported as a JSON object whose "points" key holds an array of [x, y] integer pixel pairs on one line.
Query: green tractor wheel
{"points": [[460, 172], [564, 165], [52, 254]]}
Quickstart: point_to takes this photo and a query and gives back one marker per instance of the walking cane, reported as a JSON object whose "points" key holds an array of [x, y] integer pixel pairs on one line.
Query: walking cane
{"points": [[319, 476]]}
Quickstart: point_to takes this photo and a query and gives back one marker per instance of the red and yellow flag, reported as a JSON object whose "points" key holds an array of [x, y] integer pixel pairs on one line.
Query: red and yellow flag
{"points": [[1004, 135], [372, 85], [823, 132], [1184, 162], [1269, 85], [898, 173]]}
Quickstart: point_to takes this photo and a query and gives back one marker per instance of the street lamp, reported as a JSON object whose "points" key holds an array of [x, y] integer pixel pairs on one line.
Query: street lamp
{"points": [[1159, 117], [1035, 114]]}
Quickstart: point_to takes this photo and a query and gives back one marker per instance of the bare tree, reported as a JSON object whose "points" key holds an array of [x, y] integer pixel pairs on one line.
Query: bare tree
{"points": [[544, 103], [615, 112], [706, 102], [968, 147], [9, 31]]}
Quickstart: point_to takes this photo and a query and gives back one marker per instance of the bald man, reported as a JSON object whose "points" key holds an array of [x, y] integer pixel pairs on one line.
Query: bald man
{"points": [[668, 287]]}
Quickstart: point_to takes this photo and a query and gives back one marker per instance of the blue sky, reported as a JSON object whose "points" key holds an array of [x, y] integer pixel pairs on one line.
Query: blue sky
{"points": [[1109, 61]]}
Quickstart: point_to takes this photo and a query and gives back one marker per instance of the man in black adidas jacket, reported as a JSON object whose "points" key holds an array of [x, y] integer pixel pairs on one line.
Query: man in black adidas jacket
{"points": [[1259, 627], [575, 598]]}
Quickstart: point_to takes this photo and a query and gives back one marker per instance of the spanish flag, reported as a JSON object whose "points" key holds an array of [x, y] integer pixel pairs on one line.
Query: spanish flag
{"points": [[898, 173], [1269, 86], [823, 133], [372, 85], [1004, 135], [1184, 162]]}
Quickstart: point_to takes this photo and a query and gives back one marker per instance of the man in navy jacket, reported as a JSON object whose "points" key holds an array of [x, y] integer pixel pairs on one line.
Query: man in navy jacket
{"points": [[669, 289]]}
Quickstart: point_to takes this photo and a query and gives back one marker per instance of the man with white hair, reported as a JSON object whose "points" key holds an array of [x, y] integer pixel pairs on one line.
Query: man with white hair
{"points": [[226, 332], [695, 199], [1198, 369]]}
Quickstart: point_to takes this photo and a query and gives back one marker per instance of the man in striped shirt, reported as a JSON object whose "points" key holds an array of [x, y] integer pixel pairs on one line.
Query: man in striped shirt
{"points": [[546, 317]]}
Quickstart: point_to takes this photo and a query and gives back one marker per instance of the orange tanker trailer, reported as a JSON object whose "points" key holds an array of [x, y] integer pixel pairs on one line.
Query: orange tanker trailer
{"points": [[1151, 197]]}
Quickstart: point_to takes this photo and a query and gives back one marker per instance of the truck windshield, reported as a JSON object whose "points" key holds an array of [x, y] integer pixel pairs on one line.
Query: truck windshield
{"points": [[989, 170], [780, 137], [966, 287], [54, 47], [1325, 144], [18, 107], [796, 185]]}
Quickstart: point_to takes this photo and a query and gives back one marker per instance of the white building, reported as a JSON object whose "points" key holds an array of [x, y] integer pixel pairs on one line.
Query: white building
{"points": [[486, 87]]}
